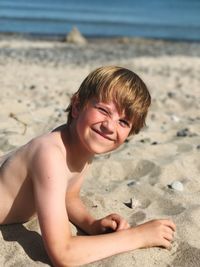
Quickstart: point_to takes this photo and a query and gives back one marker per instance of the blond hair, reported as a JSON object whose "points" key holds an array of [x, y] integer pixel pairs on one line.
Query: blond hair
{"points": [[120, 85]]}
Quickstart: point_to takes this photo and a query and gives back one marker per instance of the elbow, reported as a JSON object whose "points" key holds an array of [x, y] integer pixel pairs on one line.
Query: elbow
{"points": [[60, 261], [64, 257]]}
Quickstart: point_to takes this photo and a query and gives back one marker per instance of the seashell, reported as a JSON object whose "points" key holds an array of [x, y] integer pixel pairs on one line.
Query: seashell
{"points": [[133, 203], [175, 118], [176, 185]]}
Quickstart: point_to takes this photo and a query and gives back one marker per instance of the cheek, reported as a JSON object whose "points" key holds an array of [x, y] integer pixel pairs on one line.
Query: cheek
{"points": [[82, 124], [86, 119], [92, 117], [123, 135]]}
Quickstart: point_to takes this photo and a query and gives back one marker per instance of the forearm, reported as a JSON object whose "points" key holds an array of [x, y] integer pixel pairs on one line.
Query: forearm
{"points": [[86, 249], [79, 215]]}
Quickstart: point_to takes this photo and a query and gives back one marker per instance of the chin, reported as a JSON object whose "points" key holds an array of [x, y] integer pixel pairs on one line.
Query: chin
{"points": [[101, 150], [94, 146]]}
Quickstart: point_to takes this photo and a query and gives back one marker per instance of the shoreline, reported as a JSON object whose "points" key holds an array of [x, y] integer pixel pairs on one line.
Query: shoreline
{"points": [[94, 52], [61, 37]]}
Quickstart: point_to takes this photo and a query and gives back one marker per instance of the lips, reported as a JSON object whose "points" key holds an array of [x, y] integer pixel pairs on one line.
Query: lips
{"points": [[103, 135]]}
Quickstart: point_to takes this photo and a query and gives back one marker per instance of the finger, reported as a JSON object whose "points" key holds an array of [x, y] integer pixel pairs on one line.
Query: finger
{"points": [[126, 225], [116, 217], [119, 221], [123, 225], [109, 223], [169, 236], [120, 226], [116, 221], [168, 245], [170, 224], [114, 225]]}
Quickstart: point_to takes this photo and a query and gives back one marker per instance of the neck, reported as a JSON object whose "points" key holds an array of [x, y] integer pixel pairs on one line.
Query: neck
{"points": [[77, 156]]}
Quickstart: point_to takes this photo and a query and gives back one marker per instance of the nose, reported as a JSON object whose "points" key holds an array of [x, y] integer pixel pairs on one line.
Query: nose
{"points": [[108, 125]]}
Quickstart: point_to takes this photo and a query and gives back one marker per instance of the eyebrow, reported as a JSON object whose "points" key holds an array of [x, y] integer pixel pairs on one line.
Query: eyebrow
{"points": [[105, 105]]}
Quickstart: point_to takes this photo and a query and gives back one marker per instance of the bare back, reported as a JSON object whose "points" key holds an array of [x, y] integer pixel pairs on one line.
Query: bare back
{"points": [[16, 204]]}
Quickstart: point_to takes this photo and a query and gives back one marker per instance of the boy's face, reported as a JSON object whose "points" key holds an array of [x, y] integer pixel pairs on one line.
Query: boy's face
{"points": [[101, 128]]}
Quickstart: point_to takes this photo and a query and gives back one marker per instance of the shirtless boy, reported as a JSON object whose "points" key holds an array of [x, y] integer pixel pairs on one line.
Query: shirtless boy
{"points": [[44, 177]]}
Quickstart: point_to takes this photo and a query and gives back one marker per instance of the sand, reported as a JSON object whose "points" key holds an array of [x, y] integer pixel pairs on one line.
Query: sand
{"points": [[37, 78]]}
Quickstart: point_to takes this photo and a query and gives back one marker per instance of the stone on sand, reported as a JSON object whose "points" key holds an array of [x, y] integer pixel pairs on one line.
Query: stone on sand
{"points": [[76, 37]]}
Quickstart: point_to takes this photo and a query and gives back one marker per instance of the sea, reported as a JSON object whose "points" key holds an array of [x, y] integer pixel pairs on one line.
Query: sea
{"points": [[161, 19]]}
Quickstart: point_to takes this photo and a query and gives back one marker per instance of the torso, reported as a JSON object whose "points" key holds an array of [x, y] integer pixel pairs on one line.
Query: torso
{"points": [[16, 201], [16, 190]]}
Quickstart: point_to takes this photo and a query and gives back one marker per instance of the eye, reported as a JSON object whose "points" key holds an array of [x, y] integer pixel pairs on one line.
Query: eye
{"points": [[102, 110], [124, 123]]}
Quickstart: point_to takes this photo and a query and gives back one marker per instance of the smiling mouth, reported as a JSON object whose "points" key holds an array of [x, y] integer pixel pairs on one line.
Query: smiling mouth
{"points": [[103, 135]]}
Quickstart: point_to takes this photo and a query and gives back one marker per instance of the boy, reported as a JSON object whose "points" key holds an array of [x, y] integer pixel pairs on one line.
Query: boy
{"points": [[44, 176]]}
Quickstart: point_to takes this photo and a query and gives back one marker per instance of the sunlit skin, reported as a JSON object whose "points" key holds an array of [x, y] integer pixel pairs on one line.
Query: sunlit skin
{"points": [[44, 178], [100, 127]]}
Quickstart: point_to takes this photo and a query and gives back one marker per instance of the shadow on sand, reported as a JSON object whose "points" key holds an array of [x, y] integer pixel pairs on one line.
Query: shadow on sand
{"points": [[29, 240]]}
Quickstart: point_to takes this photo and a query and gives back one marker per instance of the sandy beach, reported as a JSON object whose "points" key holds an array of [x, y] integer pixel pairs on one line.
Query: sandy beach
{"points": [[155, 174]]}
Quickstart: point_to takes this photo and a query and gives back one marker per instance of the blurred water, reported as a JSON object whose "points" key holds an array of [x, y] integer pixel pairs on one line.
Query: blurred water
{"points": [[168, 19]]}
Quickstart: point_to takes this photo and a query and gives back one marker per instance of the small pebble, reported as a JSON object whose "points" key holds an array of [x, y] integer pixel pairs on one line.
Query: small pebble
{"points": [[154, 143], [176, 185], [145, 140], [171, 94], [198, 147], [133, 203], [175, 118], [183, 133], [32, 87], [132, 183], [153, 116]]}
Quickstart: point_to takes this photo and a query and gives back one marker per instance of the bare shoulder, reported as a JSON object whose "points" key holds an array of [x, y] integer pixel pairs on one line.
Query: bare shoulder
{"points": [[50, 141], [46, 154], [37, 150]]}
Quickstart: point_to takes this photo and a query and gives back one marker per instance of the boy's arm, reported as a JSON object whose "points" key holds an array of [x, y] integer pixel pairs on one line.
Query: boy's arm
{"points": [[76, 210], [49, 186], [79, 215]]}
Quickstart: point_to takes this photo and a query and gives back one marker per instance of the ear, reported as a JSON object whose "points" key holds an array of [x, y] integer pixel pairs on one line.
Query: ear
{"points": [[75, 107]]}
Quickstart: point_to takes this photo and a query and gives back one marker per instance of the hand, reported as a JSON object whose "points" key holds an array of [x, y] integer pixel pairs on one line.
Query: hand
{"points": [[110, 223], [156, 233]]}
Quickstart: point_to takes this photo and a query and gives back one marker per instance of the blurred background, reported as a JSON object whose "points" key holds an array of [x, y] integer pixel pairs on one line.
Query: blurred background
{"points": [[163, 19]]}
